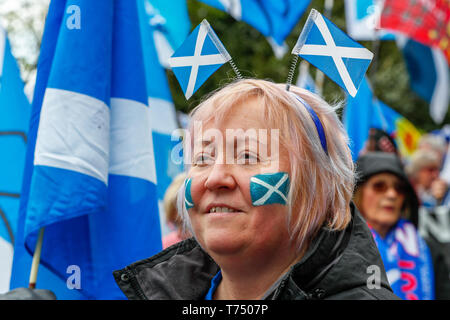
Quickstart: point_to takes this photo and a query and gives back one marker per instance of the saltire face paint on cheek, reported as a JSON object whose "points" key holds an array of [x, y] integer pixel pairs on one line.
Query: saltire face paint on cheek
{"points": [[188, 202], [269, 188]]}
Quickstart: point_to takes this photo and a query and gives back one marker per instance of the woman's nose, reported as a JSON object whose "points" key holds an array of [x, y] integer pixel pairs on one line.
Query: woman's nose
{"points": [[219, 177], [392, 192]]}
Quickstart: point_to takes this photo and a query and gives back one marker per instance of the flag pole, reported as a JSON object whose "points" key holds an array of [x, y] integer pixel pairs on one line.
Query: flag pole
{"points": [[36, 260], [291, 72], [236, 70]]}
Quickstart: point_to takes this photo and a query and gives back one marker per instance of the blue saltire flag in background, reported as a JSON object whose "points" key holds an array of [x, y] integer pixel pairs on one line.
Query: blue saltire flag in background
{"points": [[361, 17], [200, 55], [304, 79], [429, 75], [273, 18], [92, 180], [337, 55], [365, 111], [14, 118], [164, 25]]}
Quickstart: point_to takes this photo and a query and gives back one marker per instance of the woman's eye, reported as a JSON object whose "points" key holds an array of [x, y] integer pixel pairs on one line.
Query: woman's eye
{"points": [[202, 159], [248, 158]]}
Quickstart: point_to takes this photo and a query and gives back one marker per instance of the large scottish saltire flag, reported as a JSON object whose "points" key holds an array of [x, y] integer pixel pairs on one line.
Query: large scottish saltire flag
{"points": [[365, 111], [14, 117], [275, 19], [91, 180], [332, 51], [164, 25], [198, 57], [429, 75]]}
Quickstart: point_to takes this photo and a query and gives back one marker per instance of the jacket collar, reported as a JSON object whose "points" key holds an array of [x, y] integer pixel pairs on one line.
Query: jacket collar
{"points": [[334, 262]]}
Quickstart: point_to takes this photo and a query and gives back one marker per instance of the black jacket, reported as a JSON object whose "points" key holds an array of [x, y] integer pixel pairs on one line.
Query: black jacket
{"points": [[335, 266]]}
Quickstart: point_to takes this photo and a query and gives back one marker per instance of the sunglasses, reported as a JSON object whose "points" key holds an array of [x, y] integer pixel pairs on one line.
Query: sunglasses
{"points": [[383, 186]]}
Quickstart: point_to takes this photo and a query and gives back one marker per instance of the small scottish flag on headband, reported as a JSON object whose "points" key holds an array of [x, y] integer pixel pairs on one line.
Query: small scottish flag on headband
{"points": [[331, 50], [200, 55]]}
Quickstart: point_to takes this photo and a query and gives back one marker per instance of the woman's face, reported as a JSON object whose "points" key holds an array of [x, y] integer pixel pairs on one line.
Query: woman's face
{"points": [[382, 200], [221, 179]]}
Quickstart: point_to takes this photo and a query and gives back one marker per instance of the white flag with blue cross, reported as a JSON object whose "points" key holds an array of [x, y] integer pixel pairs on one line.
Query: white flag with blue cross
{"points": [[331, 50], [200, 55]]}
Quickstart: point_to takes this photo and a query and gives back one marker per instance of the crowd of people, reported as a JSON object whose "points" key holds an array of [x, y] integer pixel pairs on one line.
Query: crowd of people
{"points": [[388, 192], [299, 221]]}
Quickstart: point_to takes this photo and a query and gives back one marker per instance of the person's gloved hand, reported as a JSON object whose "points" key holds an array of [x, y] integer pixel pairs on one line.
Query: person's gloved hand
{"points": [[28, 294]]}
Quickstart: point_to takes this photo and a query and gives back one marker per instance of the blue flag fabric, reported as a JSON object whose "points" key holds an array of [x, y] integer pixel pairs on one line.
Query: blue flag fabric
{"points": [[93, 181], [365, 111], [357, 117], [361, 18], [170, 20], [14, 117], [273, 18], [429, 75], [200, 55], [304, 79], [337, 55]]}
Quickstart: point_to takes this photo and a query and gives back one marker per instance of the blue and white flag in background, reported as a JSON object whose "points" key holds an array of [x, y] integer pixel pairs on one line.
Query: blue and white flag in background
{"points": [[200, 55], [429, 75], [92, 180], [337, 55], [14, 118], [163, 25], [361, 17], [304, 79], [357, 118], [275, 19]]}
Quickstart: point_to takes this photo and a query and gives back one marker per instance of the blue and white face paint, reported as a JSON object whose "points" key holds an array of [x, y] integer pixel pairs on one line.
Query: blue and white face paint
{"points": [[269, 188], [188, 202]]}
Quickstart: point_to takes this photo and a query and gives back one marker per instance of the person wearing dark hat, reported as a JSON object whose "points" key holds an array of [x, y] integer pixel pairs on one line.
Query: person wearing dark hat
{"points": [[388, 202]]}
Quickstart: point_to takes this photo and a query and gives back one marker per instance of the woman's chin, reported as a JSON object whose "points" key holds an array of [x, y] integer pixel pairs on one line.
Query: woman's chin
{"points": [[223, 244]]}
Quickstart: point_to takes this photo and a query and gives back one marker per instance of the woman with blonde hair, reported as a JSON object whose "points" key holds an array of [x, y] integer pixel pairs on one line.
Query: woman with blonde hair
{"points": [[267, 199]]}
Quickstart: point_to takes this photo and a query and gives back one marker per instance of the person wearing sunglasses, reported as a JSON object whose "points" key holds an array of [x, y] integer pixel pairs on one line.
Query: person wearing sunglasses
{"points": [[389, 204]]}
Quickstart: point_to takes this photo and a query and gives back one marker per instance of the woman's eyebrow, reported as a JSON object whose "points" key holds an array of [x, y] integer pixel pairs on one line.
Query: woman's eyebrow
{"points": [[246, 138]]}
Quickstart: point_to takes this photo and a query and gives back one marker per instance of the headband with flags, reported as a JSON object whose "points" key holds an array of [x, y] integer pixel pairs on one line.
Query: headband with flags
{"points": [[200, 55], [332, 51]]}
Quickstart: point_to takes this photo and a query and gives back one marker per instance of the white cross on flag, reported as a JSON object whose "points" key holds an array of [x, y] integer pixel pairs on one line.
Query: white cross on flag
{"points": [[331, 50], [200, 55]]}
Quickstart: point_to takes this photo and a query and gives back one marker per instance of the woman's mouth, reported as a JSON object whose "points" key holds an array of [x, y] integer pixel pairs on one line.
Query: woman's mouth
{"points": [[221, 209]]}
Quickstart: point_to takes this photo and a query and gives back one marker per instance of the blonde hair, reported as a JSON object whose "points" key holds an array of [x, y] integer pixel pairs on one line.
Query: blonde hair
{"points": [[170, 199], [321, 185], [420, 159]]}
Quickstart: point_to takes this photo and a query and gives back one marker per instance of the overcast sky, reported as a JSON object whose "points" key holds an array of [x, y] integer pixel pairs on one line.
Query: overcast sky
{"points": [[24, 20]]}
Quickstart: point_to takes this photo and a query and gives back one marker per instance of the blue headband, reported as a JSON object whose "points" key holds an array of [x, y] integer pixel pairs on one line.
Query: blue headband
{"points": [[318, 124]]}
